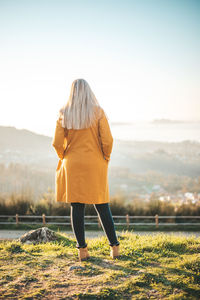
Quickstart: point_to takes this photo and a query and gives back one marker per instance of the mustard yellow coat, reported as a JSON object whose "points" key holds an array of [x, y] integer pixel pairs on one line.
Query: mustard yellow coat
{"points": [[82, 170]]}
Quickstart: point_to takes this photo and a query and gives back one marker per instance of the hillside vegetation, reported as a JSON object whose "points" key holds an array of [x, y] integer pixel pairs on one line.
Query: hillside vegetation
{"points": [[24, 205], [150, 267]]}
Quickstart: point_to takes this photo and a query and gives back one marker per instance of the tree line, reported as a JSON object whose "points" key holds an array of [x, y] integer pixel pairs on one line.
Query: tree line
{"points": [[23, 204]]}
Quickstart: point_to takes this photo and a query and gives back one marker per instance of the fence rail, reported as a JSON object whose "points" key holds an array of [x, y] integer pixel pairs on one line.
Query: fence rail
{"points": [[42, 219]]}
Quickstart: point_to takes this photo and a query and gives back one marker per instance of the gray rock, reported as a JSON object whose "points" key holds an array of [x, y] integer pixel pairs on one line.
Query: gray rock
{"points": [[40, 235]]}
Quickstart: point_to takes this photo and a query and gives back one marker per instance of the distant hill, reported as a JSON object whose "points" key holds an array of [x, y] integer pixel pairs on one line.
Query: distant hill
{"points": [[24, 146], [22, 139], [169, 121], [28, 160]]}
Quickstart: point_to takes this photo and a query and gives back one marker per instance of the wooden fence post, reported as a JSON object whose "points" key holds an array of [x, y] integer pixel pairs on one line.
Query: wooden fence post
{"points": [[17, 219], [127, 220], [156, 220], [43, 219]]}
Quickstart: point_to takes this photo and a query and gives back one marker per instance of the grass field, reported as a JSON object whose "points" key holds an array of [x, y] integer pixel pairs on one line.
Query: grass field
{"points": [[150, 267]]}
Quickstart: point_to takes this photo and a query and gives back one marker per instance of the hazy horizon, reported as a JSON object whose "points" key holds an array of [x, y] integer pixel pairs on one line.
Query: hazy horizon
{"points": [[157, 130]]}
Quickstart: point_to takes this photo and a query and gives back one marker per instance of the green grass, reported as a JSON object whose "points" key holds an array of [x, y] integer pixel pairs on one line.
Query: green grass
{"points": [[150, 267]]}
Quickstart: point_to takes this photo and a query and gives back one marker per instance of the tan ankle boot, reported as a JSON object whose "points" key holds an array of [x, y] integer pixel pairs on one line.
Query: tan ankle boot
{"points": [[83, 254], [114, 252]]}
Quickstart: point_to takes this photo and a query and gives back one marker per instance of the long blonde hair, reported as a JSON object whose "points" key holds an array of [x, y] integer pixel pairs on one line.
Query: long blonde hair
{"points": [[82, 107]]}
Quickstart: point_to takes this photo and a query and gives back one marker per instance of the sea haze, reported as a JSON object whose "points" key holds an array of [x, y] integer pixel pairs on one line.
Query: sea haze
{"points": [[158, 130]]}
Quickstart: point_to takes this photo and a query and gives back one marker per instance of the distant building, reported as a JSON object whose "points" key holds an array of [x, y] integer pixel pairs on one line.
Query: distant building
{"points": [[189, 196]]}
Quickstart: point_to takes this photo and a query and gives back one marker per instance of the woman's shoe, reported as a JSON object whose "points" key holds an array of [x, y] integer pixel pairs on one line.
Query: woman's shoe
{"points": [[114, 252], [83, 254]]}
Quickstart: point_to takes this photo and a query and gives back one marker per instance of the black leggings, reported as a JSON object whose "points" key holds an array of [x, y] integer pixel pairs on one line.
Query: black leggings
{"points": [[77, 222]]}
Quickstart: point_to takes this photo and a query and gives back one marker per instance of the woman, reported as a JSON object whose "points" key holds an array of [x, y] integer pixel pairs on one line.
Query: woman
{"points": [[83, 142]]}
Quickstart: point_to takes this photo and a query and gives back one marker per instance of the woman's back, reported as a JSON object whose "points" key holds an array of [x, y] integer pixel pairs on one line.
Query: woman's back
{"points": [[87, 142], [83, 175]]}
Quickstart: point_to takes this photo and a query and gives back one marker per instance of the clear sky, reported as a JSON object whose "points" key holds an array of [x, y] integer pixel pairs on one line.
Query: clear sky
{"points": [[141, 59]]}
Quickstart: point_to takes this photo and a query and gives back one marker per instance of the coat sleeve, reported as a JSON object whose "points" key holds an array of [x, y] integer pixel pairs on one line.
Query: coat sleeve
{"points": [[60, 139], [105, 137]]}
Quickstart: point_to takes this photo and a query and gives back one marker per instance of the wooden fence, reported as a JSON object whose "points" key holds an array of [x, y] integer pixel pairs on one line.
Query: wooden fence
{"points": [[43, 219]]}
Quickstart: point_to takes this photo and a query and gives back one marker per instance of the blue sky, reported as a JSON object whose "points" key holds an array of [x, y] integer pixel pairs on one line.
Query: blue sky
{"points": [[141, 59]]}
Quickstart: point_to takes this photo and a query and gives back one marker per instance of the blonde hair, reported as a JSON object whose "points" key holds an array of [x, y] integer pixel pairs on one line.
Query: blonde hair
{"points": [[82, 107]]}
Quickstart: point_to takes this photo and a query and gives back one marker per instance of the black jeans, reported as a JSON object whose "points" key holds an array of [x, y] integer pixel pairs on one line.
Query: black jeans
{"points": [[77, 222]]}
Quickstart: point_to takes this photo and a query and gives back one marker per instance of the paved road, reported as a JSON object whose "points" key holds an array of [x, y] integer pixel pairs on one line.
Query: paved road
{"points": [[14, 234]]}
